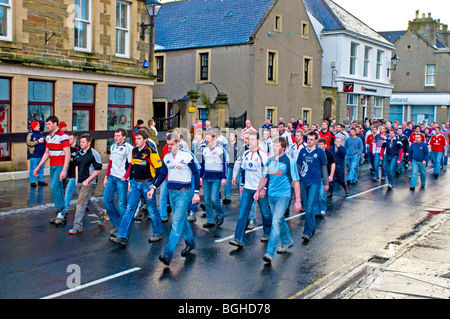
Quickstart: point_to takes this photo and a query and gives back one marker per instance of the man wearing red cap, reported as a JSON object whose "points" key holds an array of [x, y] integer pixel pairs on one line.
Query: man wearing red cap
{"points": [[36, 149], [63, 126]]}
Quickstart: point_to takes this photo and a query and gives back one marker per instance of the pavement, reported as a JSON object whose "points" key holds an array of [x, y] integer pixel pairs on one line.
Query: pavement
{"points": [[416, 266]]}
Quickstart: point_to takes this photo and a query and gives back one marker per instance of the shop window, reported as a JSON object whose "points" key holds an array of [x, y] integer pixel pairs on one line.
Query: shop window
{"points": [[5, 116], [40, 102], [120, 110]]}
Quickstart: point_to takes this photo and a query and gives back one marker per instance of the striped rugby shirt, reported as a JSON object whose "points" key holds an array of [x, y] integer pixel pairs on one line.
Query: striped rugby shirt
{"points": [[55, 145], [214, 163]]}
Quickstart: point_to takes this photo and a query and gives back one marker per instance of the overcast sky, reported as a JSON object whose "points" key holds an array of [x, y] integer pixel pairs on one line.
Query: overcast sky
{"points": [[392, 15]]}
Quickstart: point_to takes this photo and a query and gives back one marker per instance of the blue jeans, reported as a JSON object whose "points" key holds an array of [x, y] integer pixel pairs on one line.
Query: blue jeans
{"points": [[321, 204], [192, 207], [56, 187], [212, 200], [70, 188], [376, 164], [138, 189], [163, 199], [353, 164], [418, 167], [115, 185], [180, 226], [445, 158], [280, 228], [33, 163], [436, 157], [390, 166], [310, 196], [244, 212], [228, 185]]}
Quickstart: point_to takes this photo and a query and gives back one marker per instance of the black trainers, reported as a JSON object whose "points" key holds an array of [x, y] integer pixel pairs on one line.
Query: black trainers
{"points": [[236, 243], [118, 240], [165, 260], [42, 184], [209, 225], [186, 251]]}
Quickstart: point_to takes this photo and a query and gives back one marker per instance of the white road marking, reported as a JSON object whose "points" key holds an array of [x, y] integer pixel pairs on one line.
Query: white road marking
{"points": [[92, 283]]}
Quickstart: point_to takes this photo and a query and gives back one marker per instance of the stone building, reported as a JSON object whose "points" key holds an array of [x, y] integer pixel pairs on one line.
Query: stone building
{"points": [[355, 77], [422, 78], [262, 53], [80, 60]]}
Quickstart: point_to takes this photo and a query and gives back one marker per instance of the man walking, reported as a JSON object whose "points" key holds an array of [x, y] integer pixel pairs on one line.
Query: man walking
{"points": [[58, 151], [418, 158], [278, 175], [36, 148], [145, 165], [115, 181], [438, 147], [179, 166], [312, 165], [253, 162], [88, 164], [354, 150], [394, 155]]}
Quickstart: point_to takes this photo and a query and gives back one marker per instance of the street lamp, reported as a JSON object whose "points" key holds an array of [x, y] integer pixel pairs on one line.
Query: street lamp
{"points": [[394, 61], [153, 7]]}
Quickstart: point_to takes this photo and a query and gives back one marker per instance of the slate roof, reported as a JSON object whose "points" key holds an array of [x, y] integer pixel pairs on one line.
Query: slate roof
{"points": [[392, 36], [333, 17], [207, 23]]}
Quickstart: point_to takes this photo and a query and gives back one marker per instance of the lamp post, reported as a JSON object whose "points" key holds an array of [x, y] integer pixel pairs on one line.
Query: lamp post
{"points": [[153, 7], [394, 61]]}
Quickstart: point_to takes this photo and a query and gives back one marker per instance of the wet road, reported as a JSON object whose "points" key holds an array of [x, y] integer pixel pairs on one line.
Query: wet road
{"points": [[38, 259]]}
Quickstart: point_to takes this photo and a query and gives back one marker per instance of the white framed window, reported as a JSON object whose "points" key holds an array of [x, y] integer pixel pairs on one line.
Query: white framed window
{"points": [[122, 29], [353, 57], [352, 107], [430, 74], [379, 63], [378, 107], [83, 25], [5, 20], [367, 52], [160, 64]]}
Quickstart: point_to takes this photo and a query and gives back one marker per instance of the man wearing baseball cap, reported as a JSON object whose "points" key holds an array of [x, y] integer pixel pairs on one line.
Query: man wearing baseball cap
{"points": [[36, 149]]}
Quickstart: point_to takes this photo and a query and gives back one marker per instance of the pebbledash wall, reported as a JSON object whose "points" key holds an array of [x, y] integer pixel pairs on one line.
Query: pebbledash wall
{"points": [[80, 60]]}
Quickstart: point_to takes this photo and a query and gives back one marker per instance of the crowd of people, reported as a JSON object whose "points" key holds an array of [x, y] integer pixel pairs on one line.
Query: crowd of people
{"points": [[272, 166]]}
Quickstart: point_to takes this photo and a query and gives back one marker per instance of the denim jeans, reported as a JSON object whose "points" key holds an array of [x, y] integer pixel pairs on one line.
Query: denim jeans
{"points": [[163, 199], [321, 204], [390, 165], [212, 200], [33, 163], [180, 226], [228, 185], [115, 185], [56, 187], [70, 188], [138, 189], [192, 207], [353, 164], [310, 196], [280, 228], [244, 212], [418, 167], [376, 164], [445, 158], [436, 157]]}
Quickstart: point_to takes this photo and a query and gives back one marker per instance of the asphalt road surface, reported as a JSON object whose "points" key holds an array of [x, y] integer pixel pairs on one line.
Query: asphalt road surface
{"points": [[39, 260]]}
